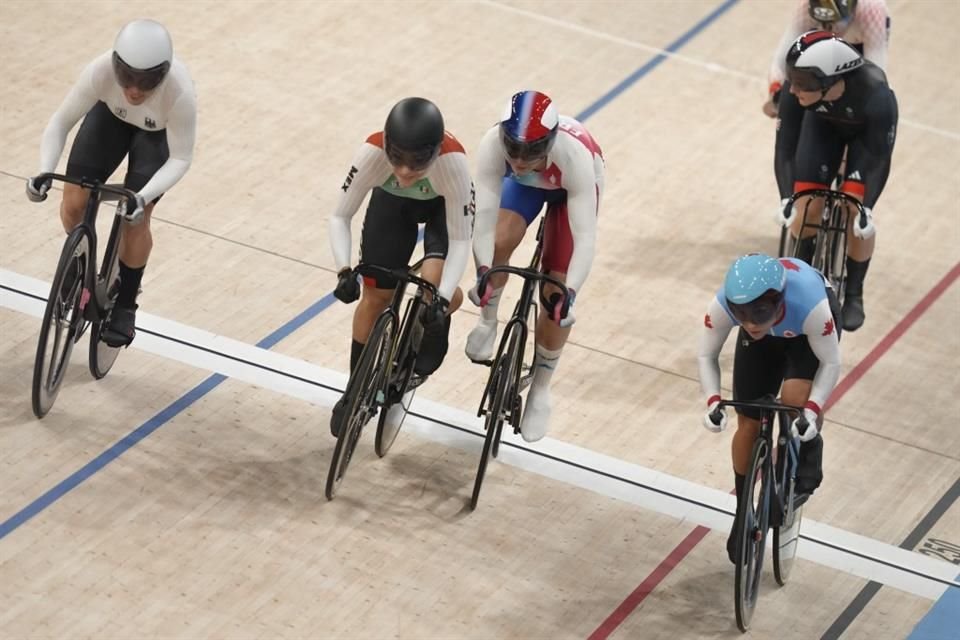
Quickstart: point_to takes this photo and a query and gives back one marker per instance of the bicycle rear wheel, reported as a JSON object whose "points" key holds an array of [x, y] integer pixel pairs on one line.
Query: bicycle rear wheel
{"points": [[786, 538], [788, 244], [786, 535], [392, 416], [501, 390], [102, 356], [399, 395], [838, 251], [62, 321], [365, 392], [752, 525]]}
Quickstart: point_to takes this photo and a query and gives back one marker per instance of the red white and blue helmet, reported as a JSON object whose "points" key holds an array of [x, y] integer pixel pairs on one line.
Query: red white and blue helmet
{"points": [[528, 127]]}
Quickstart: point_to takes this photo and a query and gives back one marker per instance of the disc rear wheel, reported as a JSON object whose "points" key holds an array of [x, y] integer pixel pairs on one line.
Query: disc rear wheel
{"points": [[102, 356]]}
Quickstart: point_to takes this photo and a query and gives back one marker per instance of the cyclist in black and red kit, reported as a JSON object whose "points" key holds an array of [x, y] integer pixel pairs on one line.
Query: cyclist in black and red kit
{"points": [[834, 100], [863, 23]]}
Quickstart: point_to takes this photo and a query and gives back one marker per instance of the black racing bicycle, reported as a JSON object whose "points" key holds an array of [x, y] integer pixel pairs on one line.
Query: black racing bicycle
{"points": [[509, 374], [830, 245], [384, 378], [769, 500], [80, 296]]}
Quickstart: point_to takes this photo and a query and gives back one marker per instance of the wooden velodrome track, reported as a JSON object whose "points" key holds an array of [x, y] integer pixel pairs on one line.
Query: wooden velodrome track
{"points": [[182, 496]]}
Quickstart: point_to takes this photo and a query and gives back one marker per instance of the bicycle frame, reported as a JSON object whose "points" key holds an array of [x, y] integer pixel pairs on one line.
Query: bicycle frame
{"points": [[831, 231], [785, 441], [99, 193], [405, 343], [532, 276]]}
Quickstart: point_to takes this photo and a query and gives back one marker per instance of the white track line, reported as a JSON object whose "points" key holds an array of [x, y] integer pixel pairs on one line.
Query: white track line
{"points": [[250, 364], [708, 66]]}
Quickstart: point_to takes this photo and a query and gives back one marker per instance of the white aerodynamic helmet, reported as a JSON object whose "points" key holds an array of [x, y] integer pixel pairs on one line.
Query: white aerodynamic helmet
{"points": [[142, 54]]}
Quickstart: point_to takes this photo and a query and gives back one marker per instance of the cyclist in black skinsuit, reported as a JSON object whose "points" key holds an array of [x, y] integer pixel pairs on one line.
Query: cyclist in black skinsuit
{"points": [[834, 100]]}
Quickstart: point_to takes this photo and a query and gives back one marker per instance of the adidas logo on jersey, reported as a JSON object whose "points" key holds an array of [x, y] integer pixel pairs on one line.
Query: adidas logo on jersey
{"points": [[822, 108], [855, 176]]}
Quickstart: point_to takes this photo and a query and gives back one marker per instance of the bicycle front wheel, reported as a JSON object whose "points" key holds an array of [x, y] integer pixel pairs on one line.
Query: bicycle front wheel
{"points": [[501, 391], [365, 392], [62, 321], [752, 523]]}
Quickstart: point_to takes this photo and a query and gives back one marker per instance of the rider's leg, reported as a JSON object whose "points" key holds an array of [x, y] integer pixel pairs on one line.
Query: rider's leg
{"points": [[519, 206], [809, 211], [550, 337], [388, 239], [99, 147], [436, 340], [511, 227], [801, 368], [72, 206], [148, 152], [860, 250], [818, 156], [795, 392], [373, 300], [136, 242], [434, 345]]}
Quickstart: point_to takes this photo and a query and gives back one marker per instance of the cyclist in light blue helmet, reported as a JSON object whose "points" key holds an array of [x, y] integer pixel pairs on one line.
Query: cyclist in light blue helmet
{"points": [[787, 345]]}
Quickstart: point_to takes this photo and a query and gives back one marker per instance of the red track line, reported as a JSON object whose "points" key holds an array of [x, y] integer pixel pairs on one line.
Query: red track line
{"points": [[888, 340], [663, 569], [646, 587]]}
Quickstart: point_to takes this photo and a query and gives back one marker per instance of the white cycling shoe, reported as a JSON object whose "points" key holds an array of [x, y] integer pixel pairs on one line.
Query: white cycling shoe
{"points": [[536, 414], [480, 341]]}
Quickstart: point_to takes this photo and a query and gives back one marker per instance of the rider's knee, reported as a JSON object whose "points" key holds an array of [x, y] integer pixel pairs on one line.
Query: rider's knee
{"points": [[375, 298], [72, 206], [510, 232]]}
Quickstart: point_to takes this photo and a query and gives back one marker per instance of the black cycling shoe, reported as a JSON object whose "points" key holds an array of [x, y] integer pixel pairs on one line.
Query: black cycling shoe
{"points": [[121, 327], [433, 349], [733, 543], [809, 466], [853, 315], [336, 418], [776, 513]]}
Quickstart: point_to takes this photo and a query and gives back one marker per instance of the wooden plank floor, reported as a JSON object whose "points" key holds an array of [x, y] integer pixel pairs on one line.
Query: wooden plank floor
{"points": [[215, 524]]}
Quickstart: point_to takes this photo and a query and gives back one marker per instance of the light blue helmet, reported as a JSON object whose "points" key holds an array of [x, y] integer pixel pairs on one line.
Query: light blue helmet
{"points": [[754, 287]]}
